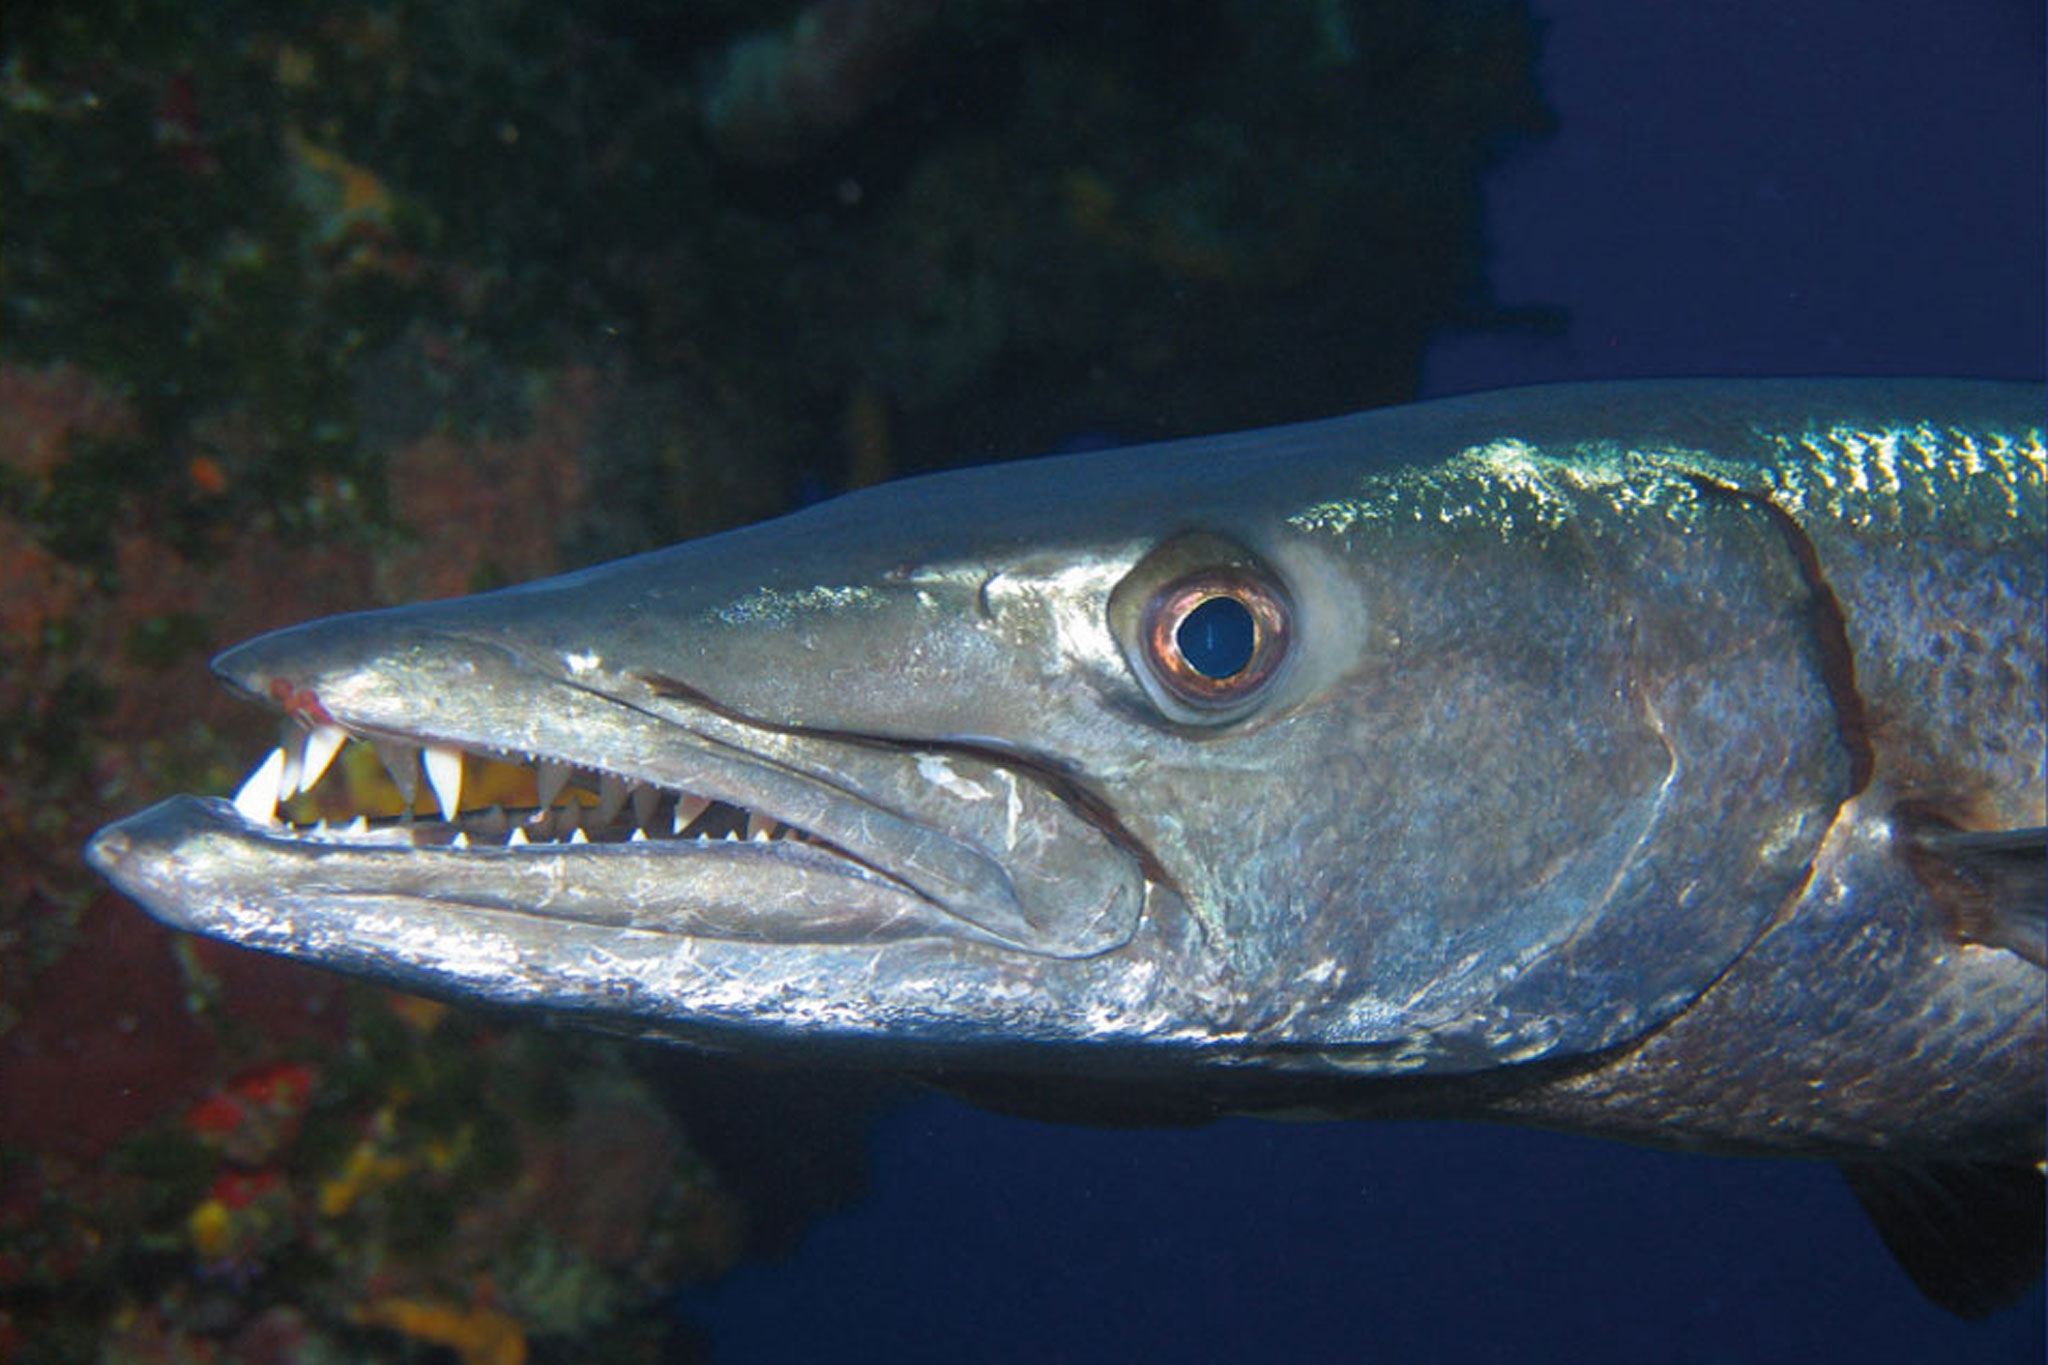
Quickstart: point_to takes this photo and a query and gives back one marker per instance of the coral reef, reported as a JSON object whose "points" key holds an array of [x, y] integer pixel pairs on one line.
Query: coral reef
{"points": [[435, 1180]]}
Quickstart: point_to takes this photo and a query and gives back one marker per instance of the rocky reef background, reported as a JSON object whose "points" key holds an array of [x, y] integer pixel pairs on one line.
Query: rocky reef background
{"points": [[308, 311]]}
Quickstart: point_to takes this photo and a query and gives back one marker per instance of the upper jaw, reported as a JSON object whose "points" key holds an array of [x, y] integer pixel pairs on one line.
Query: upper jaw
{"points": [[840, 839]]}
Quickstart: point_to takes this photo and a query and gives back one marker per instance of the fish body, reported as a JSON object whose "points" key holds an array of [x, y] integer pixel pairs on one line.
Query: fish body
{"points": [[1658, 760]]}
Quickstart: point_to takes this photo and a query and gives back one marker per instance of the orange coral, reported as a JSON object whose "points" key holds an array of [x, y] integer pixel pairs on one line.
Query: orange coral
{"points": [[367, 1168], [346, 197], [243, 1216], [479, 1335]]}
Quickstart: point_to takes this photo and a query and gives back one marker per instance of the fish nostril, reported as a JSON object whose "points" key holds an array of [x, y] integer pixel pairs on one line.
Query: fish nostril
{"points": [[295, 668], [299, 703]]}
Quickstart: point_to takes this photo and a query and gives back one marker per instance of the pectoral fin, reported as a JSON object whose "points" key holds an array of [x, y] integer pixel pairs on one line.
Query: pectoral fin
{"points": [[1969, 1235], [1993, 884]]}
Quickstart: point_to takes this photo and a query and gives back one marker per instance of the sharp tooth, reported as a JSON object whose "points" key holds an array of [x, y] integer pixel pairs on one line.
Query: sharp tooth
{"points": [[638, 836], [611, 796], [321, 830], [293, 746], [401, 760], [357, 826], [461, 839], [688, 808], [321, 747], [644, 799], [518, 839], [257, 800], [444, 775], [758, 827], [549, 779], [577, 836]]}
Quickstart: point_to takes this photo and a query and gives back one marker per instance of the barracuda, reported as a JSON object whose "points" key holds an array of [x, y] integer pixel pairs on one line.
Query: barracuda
{"points": [[1662, 761]]}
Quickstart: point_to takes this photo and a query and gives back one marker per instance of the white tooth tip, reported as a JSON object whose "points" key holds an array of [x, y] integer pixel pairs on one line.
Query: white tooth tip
{"points": [[518, 839], [359, 825], [321, 747], [638, 836], [444, 775], [461, 840], [577, 836], [257, 800], [293, 747]]}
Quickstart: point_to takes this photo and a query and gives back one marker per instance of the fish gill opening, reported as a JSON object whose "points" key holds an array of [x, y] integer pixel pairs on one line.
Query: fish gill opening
{"points": [[1829, 625]]}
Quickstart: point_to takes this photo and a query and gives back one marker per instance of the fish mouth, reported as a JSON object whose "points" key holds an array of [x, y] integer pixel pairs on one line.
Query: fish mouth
{"points": [[472, 778], [528, 801]]}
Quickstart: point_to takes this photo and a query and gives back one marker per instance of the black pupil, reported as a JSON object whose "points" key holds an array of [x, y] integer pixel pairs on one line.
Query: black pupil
{"points": [[1217, 638]]}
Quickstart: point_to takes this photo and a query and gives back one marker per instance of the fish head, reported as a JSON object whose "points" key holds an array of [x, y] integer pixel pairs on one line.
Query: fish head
{"points": [[1156, 758]]}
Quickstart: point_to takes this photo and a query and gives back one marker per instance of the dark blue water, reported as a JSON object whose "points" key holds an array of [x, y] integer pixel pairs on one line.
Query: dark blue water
{"points": [[1848, 186]]}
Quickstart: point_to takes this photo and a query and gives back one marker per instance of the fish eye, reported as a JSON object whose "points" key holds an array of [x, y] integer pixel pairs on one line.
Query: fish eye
{"points": [[1218, 637], [1214, 638]]}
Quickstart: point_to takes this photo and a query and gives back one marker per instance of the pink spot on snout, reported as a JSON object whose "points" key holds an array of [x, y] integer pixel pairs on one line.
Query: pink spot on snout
{"points": [[299, 702]]}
